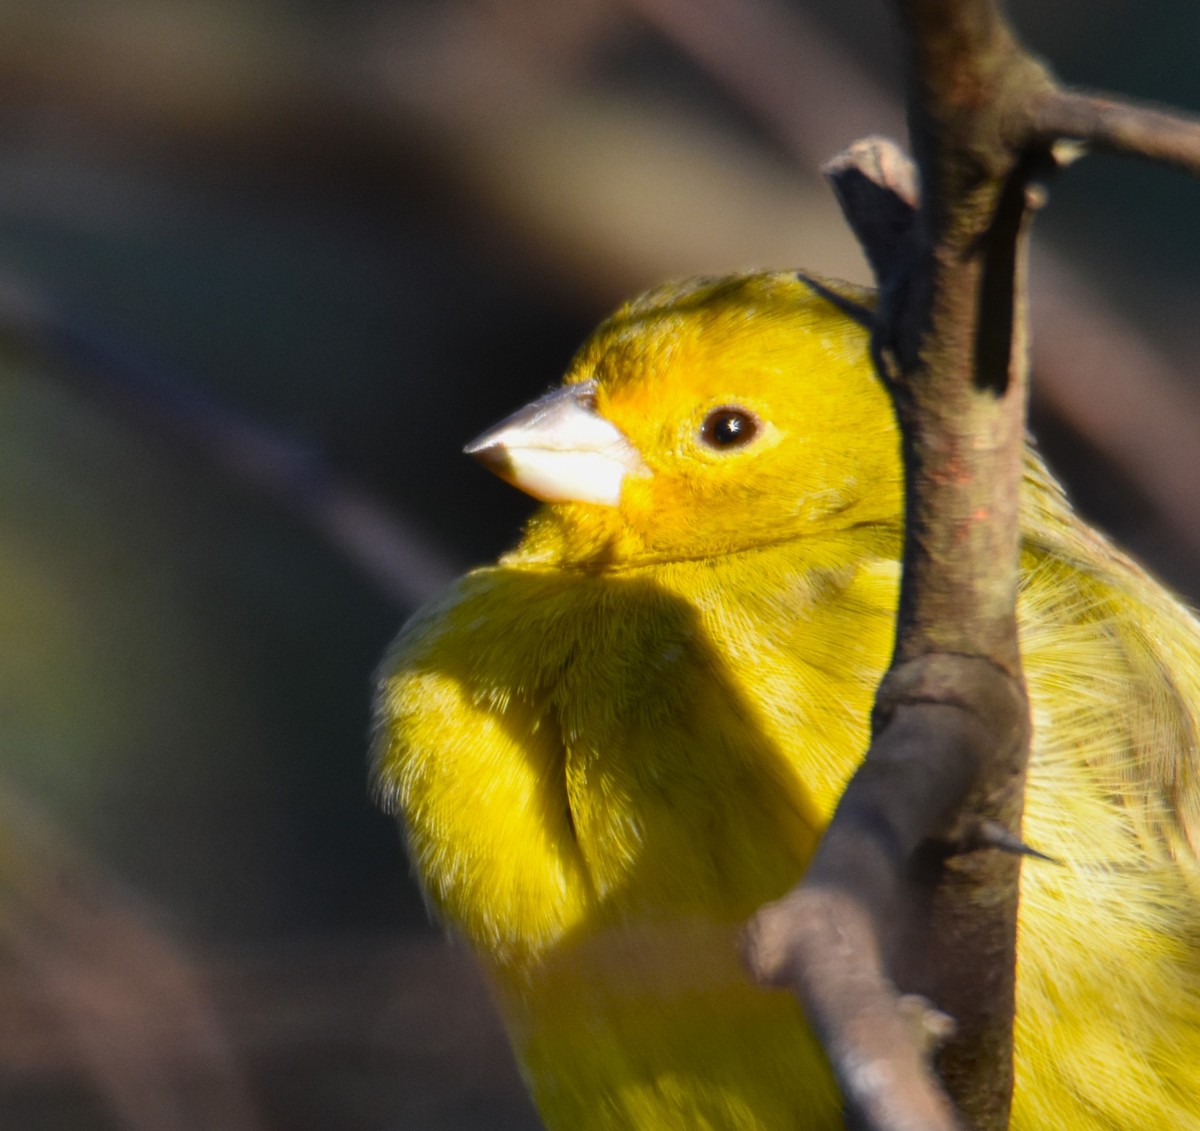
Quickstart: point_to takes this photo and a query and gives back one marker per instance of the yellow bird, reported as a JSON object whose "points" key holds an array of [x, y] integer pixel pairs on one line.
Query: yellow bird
{"points": [[613, 745]]}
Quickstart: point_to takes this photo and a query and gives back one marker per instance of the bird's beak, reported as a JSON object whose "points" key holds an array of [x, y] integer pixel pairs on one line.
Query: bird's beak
{"points": [[558, 449]]}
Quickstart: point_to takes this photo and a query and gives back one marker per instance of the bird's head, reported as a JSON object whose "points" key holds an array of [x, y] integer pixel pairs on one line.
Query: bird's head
{"points": [[705, 418]]}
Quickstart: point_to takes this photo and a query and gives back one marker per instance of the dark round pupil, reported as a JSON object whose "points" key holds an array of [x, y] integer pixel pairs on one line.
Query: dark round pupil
{"points": [[728, 428]]}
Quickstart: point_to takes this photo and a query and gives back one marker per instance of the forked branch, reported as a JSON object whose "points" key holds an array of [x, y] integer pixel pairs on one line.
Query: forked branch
{"points": [[905, 916]]}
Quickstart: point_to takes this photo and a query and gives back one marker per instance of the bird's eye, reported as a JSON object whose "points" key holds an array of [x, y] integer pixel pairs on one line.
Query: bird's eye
{"points": [[729, 428]]}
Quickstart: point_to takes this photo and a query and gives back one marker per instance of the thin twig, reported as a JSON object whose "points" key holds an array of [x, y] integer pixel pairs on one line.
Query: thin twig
{"points": [[1102, 122], [400, 560]]}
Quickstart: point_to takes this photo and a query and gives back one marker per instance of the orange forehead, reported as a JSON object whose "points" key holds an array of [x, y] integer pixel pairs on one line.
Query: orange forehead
{"points": [[752, 340]]}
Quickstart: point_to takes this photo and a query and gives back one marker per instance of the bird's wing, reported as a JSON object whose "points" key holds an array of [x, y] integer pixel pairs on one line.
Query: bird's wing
{"points": [[1113, 664], [475, 773]]}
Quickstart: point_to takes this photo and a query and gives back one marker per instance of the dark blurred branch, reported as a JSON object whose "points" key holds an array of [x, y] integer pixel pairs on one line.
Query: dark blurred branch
{"points": [[1119, 390], [127, 1006], [777, 61], [410, 1013], [413, 1005], [393, 554]]}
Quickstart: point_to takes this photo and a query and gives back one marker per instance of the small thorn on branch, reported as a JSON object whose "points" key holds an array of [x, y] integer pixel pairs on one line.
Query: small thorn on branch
{"points": [[992, 834], [1066, 151], [931, 1027]]}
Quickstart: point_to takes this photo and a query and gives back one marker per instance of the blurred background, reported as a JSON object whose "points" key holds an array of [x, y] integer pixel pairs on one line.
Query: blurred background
{"points": [[265, 265]]}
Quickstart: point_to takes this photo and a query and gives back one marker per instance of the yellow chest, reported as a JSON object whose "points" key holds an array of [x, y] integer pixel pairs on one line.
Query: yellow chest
{"points": [[601, 777]]}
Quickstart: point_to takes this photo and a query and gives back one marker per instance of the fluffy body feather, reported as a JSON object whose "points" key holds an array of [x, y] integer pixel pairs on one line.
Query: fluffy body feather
{"points": [[612, 746]]}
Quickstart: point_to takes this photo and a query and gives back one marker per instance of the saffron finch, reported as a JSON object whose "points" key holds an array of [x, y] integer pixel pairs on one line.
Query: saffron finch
{"points": [[612, 746]]}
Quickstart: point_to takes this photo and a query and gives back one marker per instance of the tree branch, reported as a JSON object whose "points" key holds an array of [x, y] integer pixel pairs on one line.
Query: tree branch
{"points": [[898, 896], [895, 898], [1103, 123]]}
